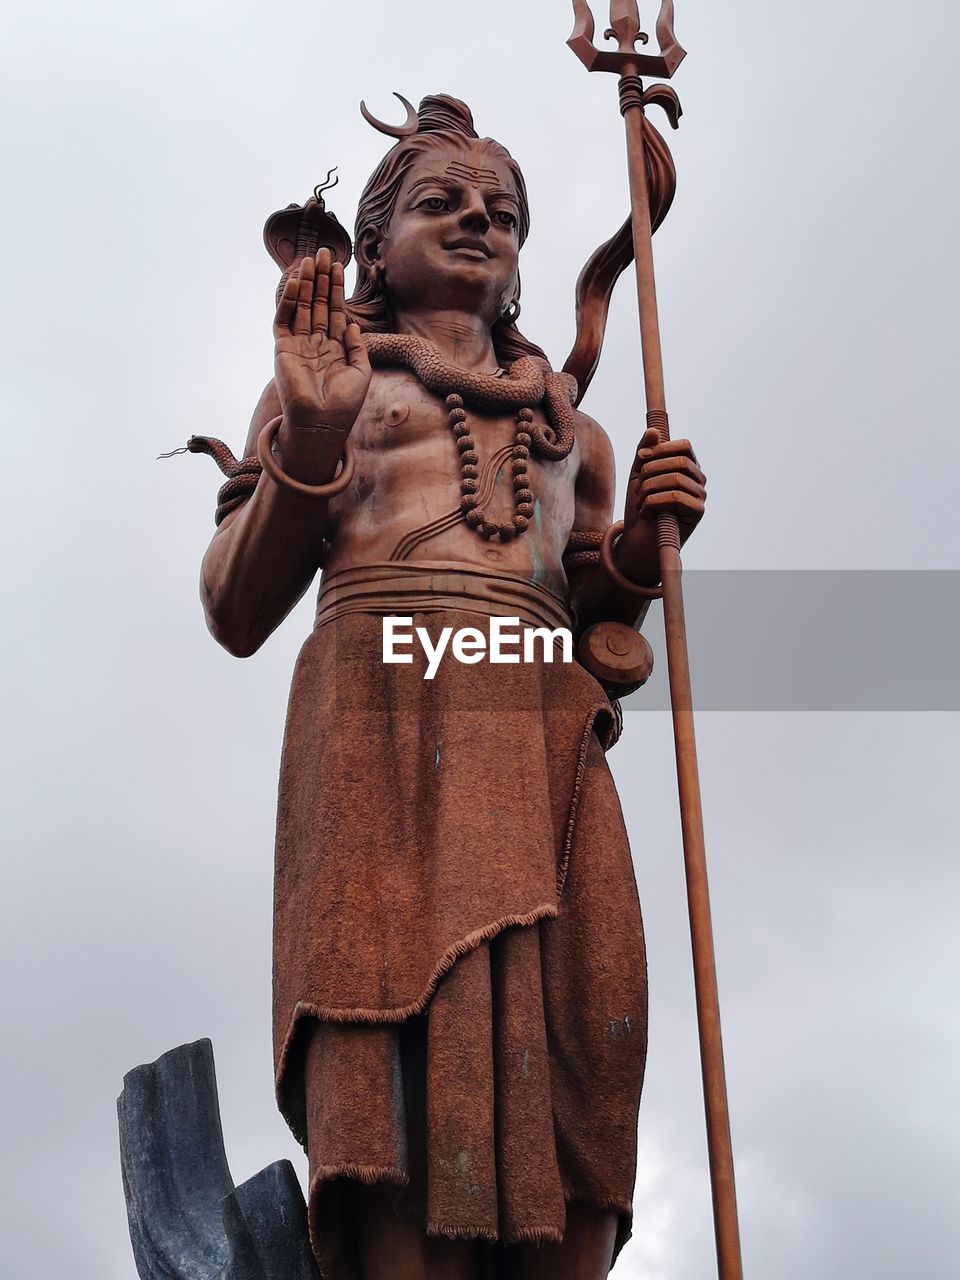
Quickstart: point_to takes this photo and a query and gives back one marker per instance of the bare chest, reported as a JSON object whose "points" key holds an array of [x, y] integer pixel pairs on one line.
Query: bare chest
{"points": [[402, 425], [411, 471]]}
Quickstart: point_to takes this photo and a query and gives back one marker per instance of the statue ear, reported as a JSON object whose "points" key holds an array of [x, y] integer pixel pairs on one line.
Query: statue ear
{"points": [[511, 299], [367, 249]]}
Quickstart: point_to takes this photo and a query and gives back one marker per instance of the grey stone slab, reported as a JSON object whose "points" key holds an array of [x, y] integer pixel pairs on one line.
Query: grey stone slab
{"points": [[187, 1219]]}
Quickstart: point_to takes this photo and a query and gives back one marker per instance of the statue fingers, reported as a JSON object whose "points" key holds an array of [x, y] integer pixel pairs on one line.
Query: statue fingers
{"points": [[356, 348], [672, 482], [649, 439], [287, 305], [685, 506], [338, 319], [682, 465], [302, 316], [674, 449], [321, 291], [649, 442]]}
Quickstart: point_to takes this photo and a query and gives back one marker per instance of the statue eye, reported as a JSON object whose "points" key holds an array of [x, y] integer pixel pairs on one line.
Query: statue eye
{"points": [[434, 203], [505, 218]]}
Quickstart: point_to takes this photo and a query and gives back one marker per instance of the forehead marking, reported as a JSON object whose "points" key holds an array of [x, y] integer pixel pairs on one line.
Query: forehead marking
{"points": [[473, 173]]}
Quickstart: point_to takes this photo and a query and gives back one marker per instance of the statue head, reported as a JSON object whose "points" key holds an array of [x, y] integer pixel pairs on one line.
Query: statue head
{"points": [[443, 218]]}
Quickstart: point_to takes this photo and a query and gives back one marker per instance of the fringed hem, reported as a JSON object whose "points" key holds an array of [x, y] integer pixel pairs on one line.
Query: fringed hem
{"points": [[536, 1236], [528, 1235], [624, 1212], [609, 1205], [444, 1231], [368, 1174], [603, 1204], [372, 1175], [606, 1204], [305, 1009]]}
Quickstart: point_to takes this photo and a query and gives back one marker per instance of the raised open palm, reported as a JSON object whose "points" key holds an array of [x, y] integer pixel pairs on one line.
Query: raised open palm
{"points": [[321, 365]]}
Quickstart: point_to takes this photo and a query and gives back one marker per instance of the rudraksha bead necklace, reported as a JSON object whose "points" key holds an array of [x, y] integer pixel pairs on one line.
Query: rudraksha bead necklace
{"points": [[475, 517]]}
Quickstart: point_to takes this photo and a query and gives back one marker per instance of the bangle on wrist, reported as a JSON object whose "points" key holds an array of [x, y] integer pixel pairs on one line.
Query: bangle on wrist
{"points": [[273, 469], [614, 573]]}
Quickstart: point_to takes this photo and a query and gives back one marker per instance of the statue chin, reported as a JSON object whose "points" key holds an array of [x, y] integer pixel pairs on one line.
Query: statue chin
{"points": [[458, 284]]}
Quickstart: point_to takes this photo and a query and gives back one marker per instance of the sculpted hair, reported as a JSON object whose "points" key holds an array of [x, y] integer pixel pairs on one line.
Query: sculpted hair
{"points": [[440, 120]]}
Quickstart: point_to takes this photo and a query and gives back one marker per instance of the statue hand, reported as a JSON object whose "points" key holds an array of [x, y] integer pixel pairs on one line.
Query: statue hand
{"points": [[664, 478], [321, 365]]}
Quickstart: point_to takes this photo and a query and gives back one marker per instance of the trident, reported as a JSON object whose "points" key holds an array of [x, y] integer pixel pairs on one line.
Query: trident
{"points": [[628, 64]]}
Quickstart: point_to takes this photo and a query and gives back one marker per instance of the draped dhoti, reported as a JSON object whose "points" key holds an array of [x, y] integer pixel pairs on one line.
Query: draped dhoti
{"points": [[459, 978]]}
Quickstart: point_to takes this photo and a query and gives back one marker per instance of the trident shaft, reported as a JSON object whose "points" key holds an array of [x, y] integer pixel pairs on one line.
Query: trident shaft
{"points": [[629, 64]]}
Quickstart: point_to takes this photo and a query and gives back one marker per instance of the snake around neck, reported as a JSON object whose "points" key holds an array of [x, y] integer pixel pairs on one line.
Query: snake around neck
{"points": [[527, 383]]}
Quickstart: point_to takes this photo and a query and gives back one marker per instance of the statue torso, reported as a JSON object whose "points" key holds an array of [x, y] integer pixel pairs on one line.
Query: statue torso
{"points": [[408, 477]]}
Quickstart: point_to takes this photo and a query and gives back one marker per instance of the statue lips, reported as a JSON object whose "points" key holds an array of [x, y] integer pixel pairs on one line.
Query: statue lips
{"points": [[476, 248]]}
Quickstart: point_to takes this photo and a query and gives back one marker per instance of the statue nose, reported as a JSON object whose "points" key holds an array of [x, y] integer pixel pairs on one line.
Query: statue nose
{"points": [[474, 214]]}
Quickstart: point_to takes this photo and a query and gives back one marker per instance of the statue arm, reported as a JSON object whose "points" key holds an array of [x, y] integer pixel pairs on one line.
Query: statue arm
{"points": [[595, 598], [664, 478], [263, 556]]}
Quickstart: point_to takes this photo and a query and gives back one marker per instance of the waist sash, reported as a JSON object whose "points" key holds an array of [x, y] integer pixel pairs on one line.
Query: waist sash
{"points": [[399, 587]]}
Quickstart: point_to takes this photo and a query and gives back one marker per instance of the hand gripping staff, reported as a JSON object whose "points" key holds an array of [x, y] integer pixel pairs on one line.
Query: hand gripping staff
{"points": [[628, 64]]}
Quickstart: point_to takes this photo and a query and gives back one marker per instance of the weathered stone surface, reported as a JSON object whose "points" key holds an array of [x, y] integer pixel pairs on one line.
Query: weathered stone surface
{"points": [[187, 1219]]}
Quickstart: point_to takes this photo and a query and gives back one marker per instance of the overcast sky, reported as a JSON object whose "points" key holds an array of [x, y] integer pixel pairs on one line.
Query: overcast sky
{"points": [[808, 283]]}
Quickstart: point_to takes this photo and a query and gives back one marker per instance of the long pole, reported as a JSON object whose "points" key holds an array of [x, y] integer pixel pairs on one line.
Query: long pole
{"points": [[719, 1145]]}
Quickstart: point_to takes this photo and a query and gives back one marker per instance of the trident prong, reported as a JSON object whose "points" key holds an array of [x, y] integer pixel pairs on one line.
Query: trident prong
{"points": [[625, 28], [625, 25]]}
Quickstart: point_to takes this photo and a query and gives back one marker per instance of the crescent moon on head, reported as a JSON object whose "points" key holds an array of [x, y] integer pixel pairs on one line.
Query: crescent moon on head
{"points": [[404, 130]]}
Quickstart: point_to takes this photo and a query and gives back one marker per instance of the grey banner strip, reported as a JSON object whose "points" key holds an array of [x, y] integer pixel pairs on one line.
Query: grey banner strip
{"points": [[811, 640]]}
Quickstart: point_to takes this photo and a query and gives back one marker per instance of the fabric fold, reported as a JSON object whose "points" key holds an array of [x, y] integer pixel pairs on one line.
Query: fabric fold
{"points": [[459, 981]]}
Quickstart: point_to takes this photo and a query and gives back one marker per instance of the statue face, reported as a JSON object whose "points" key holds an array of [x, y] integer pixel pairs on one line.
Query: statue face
{"points": [[453, 240]]}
